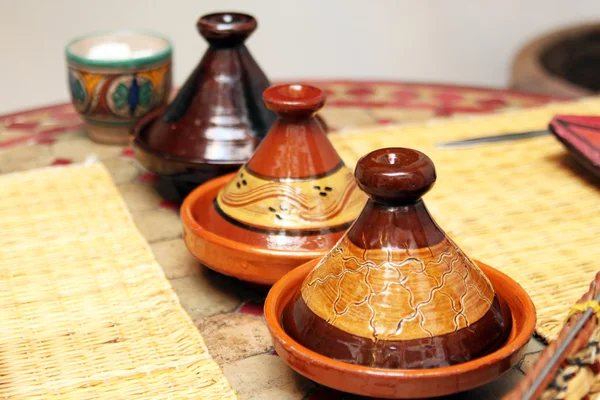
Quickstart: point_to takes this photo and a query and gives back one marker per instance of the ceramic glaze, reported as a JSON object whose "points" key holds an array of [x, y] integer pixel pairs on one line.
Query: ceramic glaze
{"points": [[395, 291], [217, 119]]}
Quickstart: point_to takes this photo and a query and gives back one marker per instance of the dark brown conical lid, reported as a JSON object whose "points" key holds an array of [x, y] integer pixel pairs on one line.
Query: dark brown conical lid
{"points": [[218, 116], [295, 193], [396, 291]]}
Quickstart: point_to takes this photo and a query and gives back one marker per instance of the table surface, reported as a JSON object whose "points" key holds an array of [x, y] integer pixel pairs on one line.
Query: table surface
{"points": [[228, 313]]}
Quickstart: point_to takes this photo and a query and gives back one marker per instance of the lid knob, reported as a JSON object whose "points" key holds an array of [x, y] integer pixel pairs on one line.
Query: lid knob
{"points": [[294, 100], [226, 28], [395, 175]]}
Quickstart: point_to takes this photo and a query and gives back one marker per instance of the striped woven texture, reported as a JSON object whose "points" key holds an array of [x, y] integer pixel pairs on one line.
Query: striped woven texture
{"points": [[524, 207], [85, 311]]}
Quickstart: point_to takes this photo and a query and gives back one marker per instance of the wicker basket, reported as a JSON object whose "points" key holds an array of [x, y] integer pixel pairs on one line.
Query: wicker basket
{"points": [[565, 62]]}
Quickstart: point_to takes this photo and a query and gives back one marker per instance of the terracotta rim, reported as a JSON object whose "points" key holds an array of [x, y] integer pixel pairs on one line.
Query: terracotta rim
{"points": [[524, 332], [189, 221], [293, 97]]}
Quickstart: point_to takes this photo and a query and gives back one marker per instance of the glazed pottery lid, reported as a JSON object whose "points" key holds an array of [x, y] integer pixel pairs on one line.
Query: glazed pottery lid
{"points": [[295, 193], [218, 116], [396, 291]]}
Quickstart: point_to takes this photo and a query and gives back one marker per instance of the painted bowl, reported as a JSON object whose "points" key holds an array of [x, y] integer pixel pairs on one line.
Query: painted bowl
{"points": [[116, 78], [401, 383]]}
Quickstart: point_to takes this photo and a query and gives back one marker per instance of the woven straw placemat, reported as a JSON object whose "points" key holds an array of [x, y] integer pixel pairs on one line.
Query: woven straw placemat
{"points": [[524, 207], [85, 311]]}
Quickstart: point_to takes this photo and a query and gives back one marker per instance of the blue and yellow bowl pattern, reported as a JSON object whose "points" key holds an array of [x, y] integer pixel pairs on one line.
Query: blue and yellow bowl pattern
{"points": [[116, 92]]}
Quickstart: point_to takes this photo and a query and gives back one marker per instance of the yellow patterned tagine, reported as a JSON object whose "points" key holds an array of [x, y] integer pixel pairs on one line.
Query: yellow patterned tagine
{"points": [[322, 203], [290, 203], [396, 292], [295, 193]]}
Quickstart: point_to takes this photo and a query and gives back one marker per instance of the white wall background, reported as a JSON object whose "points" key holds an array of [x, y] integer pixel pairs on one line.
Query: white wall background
{"points": [[459, 41]]}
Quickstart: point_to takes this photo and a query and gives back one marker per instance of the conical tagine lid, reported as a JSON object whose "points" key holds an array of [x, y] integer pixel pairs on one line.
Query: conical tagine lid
{"points": [[218, 116], [295, 193], [396, 292]]}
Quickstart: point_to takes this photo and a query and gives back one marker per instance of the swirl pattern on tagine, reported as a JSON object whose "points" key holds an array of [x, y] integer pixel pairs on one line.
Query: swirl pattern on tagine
{"points": [[398, 295], [327, 202]]}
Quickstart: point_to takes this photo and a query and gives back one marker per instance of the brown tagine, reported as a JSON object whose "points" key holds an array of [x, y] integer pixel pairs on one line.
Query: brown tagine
{"points": [[396, 383], [291, 202], [216, 120], [396, 291]]}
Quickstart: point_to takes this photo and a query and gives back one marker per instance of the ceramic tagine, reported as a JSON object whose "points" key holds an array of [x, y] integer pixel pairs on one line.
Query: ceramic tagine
{"points": [[396, 294], [291, 202], [216, 120]]}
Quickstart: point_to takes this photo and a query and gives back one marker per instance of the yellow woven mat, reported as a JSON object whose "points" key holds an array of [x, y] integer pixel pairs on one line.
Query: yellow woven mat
{"points": [[85, 311], [523, 207]]}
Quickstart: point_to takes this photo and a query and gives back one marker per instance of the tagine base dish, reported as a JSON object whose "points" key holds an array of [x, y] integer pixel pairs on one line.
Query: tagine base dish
{"points": [[247, 263], [402, 383]]}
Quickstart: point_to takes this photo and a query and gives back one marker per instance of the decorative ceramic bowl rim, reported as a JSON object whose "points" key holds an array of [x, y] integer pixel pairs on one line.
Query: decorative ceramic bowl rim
{"points": [[128, 63], [278, 292], [198, 229]]}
